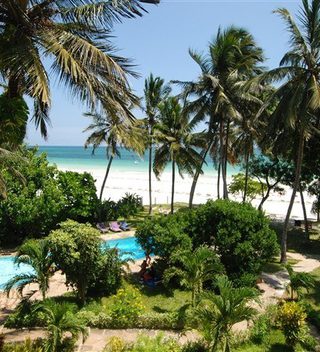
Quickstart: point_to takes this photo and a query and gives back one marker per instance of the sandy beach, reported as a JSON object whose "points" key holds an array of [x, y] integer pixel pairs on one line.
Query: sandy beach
{"points": [[120, 182]]}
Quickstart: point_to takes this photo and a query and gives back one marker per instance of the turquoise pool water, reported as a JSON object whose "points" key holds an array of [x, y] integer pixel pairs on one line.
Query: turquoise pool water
{"points": [[8, 269]]}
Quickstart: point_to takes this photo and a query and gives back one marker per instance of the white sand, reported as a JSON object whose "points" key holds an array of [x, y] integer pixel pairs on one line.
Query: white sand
{"points": [[120, 182]]}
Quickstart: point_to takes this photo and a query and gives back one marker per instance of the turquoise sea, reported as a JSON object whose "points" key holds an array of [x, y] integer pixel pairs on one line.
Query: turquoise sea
{"points": [[79, 157]]}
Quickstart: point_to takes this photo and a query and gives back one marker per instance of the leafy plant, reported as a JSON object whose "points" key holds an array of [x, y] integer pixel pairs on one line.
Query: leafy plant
{"points": [[60, 320], [238, 184], [298, 281], [291, 319], [217, 313], [193, 269], [36, 254], [129, 205], [27, 346]]}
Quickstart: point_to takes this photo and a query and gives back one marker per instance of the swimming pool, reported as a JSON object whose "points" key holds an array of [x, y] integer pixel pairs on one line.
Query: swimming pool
{"points": [[8, 269]]}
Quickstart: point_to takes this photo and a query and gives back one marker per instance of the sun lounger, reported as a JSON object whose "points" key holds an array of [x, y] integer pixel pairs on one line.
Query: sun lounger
{"points": [[114, 226], [101, 226], [124, 226]]}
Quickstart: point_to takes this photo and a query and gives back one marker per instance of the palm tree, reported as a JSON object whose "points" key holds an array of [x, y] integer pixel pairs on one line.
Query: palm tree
{"points": [[75, 36], [297, 281], [115, 131], [296, 113], [233, 57], [194, 269], [155, 91], [175, 142], [217, 313], [60, 320], [36, 254]]}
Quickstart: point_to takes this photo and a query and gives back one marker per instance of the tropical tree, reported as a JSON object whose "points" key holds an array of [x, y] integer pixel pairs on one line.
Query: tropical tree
{"points": [[115, 131], [217, 313], [193, 269], [155, 91], [175, 142], [296, 113], [75, 36], [297, 281], [36, 254], [232, 58], [63, 327]]}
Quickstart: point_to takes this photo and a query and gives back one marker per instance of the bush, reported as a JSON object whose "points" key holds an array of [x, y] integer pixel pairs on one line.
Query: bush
{"points": [[107, 210], [129, 205], [163, 236], [197, 346], [291, 319], [260, 329], [27, 346], [126, 307], [47, 198]]}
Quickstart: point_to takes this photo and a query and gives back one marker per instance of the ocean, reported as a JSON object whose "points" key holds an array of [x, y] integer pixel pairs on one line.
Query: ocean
{"points": [[78, 157]]}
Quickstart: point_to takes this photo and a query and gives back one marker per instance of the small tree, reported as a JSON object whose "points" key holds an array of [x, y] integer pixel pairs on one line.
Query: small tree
{"points": [[34, 253], [298, 281], [239, 184], [193, 269], [217, 313], [75, 249], [60, 320]]}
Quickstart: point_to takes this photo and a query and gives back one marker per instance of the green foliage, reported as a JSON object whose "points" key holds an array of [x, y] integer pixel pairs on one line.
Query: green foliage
{"points": [[75, 249], [63, 327], [298, 281], [163, 236], [291, 319], [13, 120], [217, 313], [108, 210], [260, 329], [27, 346], [127, 306], [34, 253], [46, 198], [129, 205], [194, 269], [239, 233], [237, 186]]}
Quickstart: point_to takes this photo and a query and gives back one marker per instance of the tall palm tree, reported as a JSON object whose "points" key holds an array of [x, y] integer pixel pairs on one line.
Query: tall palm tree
{"points": [[36, 254], [194, 269], [75, 36], [296, 114], [155, 91], [175, 142], [114, 131], [233, 57], [218, 313], [63, 327]]}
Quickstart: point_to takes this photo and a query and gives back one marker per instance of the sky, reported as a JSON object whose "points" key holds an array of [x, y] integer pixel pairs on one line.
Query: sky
{"points": [[159, 42]]}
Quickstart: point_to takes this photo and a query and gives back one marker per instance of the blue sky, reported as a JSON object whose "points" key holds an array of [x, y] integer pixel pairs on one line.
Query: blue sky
{"points": [[159, 43]]}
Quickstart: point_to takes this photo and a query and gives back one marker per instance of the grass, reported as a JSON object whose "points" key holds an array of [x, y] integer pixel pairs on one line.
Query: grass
{"points": [[275, 265]]}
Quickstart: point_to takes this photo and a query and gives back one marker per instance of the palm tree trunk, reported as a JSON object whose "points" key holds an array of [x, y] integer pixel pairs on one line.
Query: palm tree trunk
{"points": [[296, 183], [225, 163], [150, 176], [306, 227], [218, 181], [105, 177], [196, 177], [246, 177], [173, 181]]}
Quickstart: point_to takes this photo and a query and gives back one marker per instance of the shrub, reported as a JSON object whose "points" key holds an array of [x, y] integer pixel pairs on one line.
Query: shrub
{"points": [[163, 236], [129, 205], [197, 346], [116, 344], [126, 307], [260, 329], [157, 344], [291, 319], [107, 210], [27, 346]]}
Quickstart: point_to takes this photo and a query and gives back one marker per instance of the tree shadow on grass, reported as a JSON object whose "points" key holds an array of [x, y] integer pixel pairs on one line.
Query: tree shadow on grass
{"points": [[280, 347]]}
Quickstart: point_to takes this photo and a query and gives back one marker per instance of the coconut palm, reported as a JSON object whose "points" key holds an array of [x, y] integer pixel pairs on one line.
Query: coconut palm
{"points": [[217, 313], [155, 91], [75, 37], [34, 253], [193, 269], [297, 281], [233, 57], [115, 131], [175, 142], [63, 327], [296, 113]]}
